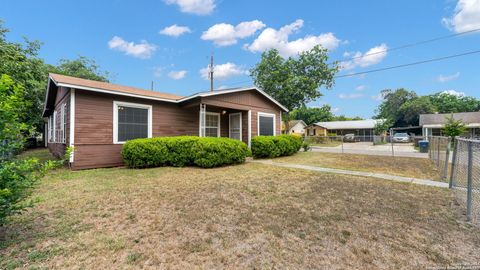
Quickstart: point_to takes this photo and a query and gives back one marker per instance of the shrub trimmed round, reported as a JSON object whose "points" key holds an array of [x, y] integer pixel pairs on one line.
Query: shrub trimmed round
{"points": [[275, 146], [183, 151]]}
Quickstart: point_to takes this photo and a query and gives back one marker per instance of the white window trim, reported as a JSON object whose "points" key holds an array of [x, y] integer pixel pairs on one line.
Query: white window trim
{"points": [[249, 128], [219, 124], [116, 104], [63, 131], [71, 137], [229, 126], [266, 115], [54, 125]]}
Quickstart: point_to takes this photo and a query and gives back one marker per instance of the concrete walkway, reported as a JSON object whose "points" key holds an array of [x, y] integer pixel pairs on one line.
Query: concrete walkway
{"points": [[425, 182]]}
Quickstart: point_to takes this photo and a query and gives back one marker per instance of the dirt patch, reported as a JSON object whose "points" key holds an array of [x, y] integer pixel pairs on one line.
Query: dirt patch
{"points": [[246, 216]]}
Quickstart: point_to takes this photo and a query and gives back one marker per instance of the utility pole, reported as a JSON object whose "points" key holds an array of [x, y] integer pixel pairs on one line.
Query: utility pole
{"points": [[210, 74]]}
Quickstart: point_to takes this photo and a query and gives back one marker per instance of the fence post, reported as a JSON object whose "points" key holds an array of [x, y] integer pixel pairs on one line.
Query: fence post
{"points": [[454, 162], [438, 151], [469, 180], [447, 156], [342, 143], [391, 141]]}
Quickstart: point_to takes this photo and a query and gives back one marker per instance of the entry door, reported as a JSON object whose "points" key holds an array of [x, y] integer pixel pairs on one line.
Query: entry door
{"points": [[235, 126]]}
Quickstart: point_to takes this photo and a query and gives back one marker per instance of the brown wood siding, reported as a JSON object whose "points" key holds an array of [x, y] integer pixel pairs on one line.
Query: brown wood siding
{"points": [[94, 122], [94, 126], [62, 97]]}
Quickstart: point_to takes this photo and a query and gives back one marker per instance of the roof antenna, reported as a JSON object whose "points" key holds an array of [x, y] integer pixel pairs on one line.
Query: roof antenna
{"points": [[151, 86], [210, 73]]}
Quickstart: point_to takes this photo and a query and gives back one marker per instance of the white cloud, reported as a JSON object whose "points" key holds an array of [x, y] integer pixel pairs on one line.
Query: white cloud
{"points": [[140, 50], [447, 78], [350, 96], [360, 88], [158, 71], [371, 57], [466, 16], [223, 71], [198, 7], [454, 93], [278, 39], [175, 30], [336, 109], [224, 34], [378, 97], [177, 75]]}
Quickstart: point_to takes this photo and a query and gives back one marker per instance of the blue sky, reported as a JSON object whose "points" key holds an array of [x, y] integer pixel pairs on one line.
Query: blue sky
{"points": [[126, 38]]}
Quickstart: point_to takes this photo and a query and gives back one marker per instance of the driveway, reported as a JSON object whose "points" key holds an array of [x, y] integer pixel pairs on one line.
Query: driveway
{"points": [[367, 148]]}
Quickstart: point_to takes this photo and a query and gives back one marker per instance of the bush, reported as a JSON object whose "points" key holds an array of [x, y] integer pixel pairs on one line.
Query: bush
{"points": [[183, 151], [275, 146], [306, 147]]}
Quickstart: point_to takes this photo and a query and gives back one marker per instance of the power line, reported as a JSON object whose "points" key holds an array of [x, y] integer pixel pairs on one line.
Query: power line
{"points": [[409, 45], [389, 50], [409, 64]]}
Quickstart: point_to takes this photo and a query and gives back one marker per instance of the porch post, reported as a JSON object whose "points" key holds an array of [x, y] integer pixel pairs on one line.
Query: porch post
{"points": [[201, 122], [249, 129]]}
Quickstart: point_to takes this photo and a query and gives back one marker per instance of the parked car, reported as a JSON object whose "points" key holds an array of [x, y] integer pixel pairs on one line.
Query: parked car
{"points": [[401, 138], [349, 137]]}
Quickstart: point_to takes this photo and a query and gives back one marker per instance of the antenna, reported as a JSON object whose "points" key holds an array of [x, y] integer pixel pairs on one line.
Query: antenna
{"points": [[151, 86], [210, 74]]}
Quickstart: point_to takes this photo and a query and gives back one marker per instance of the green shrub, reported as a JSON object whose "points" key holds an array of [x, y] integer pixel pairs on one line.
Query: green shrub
{"points": [[183, 151], [306, 147], [274, 146]]}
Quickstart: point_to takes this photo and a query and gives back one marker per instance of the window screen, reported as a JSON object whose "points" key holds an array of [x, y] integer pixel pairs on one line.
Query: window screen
{"points": [[132, 123], [211, 125], [266, 125]]}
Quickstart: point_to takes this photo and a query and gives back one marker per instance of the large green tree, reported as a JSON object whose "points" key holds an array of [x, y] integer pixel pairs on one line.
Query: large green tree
{"points": [[450, 103], [392, 102], [312, 115], [411, 109], [20, 61], [294, 81]]}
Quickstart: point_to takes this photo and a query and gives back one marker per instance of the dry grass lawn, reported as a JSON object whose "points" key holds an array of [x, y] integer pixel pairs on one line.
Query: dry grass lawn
{"points": [[402, 166], [245, 216]]}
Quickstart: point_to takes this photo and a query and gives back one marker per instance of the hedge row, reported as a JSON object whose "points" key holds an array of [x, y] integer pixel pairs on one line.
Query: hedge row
{"points": [[275, 146], [183, 151]]}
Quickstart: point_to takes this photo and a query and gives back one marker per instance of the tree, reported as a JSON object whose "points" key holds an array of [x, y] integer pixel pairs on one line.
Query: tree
{"points": [[392, 101], [294, 81], [454, 128], [20, 61], [450, 103], [312, 115], [382, 126], [346, 118], [410, 110], [82, 67]]}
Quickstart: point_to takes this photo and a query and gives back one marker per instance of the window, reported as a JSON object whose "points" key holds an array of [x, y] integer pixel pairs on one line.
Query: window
{"points": [[54, 126], [212, 124], [131, 121], [50, 129], [63, 123], [266, 124]]}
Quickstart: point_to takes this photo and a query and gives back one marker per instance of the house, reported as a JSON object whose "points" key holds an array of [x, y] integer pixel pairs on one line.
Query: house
{"points": [[96, 118], [432, 124], [296, 127], [361, 128]]}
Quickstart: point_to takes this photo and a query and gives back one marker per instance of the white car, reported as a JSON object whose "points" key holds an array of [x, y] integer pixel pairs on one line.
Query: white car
{"points": [[401, 138]]}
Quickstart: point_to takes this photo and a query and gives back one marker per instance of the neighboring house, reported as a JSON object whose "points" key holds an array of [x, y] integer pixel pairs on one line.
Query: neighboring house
{"points": [[96, 118], [362, 128], [296, 127], [432, 124]]}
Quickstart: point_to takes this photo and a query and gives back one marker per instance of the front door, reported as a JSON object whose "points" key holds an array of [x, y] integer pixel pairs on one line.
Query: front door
{"points": [[235, 126]]}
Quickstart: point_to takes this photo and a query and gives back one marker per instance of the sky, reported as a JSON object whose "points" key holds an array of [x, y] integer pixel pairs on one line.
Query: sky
{"points": [[170, 42]]}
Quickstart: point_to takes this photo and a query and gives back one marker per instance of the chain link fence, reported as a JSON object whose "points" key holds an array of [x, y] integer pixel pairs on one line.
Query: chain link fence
{"points": [[465, 176], [439, 153]]}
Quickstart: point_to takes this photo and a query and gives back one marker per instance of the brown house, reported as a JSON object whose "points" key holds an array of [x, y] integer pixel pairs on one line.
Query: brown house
{"points": [[96, 118]]}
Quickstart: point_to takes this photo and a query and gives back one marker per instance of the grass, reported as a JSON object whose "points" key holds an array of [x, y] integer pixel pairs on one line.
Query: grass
{"points": [[245, 216], [327, 144], [401, 166], [41, 154]]}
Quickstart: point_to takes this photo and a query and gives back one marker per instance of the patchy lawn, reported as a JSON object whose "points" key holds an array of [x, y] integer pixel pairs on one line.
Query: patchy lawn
{"points": [[245, 216], [402, 166], [41, 154]]}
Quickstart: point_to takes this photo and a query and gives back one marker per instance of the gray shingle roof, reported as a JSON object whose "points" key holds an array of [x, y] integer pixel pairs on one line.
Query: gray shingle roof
{"points": [[440, 118]]}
